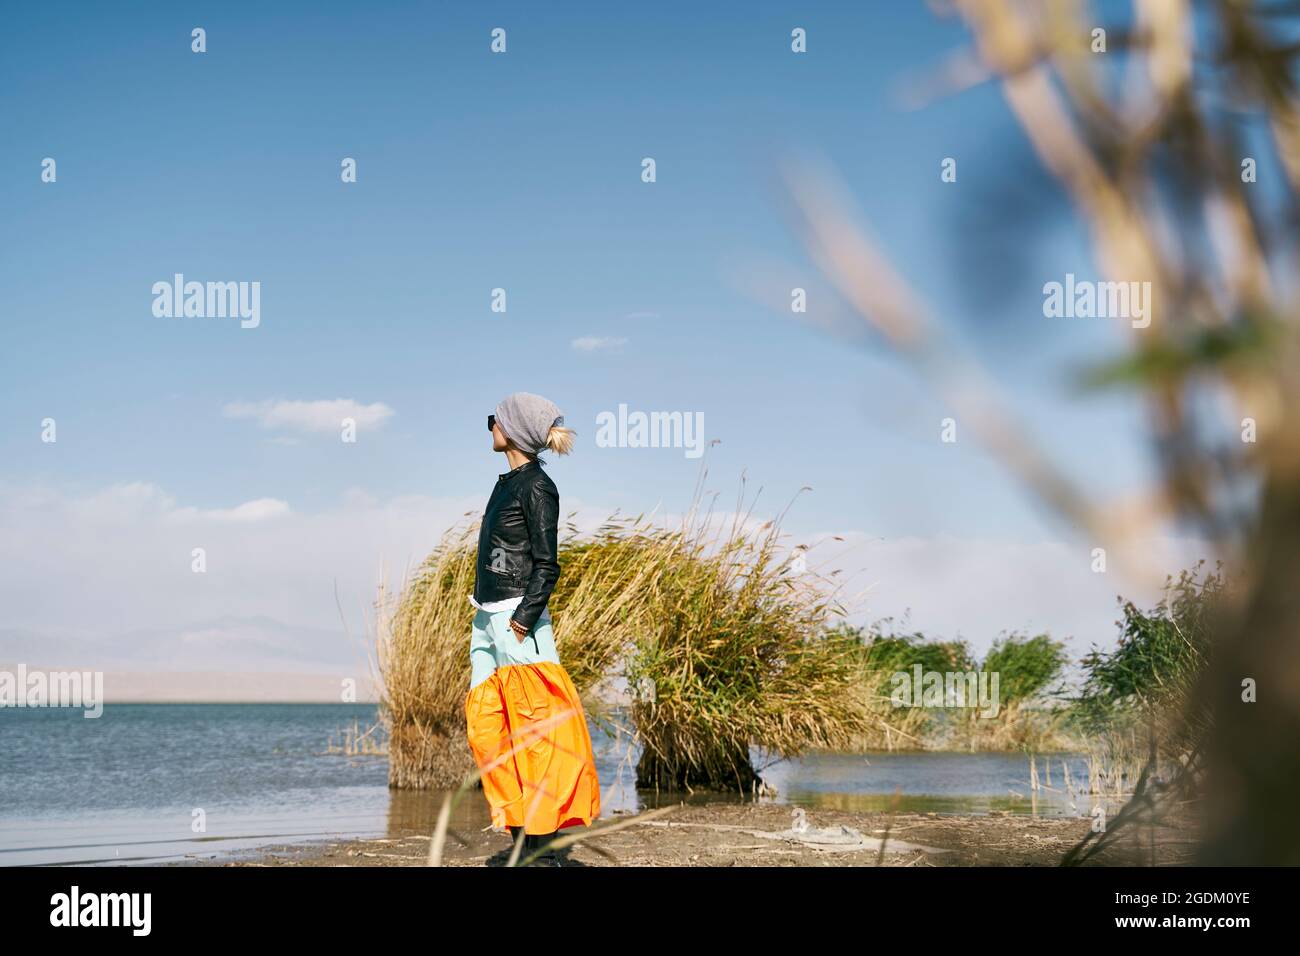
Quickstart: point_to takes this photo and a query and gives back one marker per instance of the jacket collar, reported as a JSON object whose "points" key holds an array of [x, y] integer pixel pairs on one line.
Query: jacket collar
{"points": [[526, 466]]}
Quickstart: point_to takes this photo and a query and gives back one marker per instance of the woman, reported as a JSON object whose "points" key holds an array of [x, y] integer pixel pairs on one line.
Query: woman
{"points": [[549, 781]]}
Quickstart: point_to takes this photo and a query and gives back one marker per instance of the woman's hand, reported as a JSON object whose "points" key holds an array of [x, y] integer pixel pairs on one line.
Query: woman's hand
{"points": [[520, 631]]}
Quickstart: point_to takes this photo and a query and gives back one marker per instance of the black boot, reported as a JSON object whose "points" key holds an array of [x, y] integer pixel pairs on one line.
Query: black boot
{"points": [[534, 842]]}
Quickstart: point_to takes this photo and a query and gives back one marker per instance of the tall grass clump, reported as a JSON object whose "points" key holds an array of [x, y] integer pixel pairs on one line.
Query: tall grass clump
{"points": [[732, 649], [423, 659], [599, 599], [721, 643]]}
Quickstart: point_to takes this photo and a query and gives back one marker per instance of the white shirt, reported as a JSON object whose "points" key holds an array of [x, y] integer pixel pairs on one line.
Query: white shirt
{"points": [[493, 606], [509, 604]]}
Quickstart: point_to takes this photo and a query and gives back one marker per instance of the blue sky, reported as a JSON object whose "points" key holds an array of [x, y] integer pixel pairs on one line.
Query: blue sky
{"points": [[519, 171]]}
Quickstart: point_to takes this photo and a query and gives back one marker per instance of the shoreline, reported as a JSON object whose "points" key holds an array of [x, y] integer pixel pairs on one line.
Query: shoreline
{"points": [[739, 835]]}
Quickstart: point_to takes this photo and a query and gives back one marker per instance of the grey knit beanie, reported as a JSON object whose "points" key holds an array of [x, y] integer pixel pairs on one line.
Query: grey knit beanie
{"points": [[526, 420]]}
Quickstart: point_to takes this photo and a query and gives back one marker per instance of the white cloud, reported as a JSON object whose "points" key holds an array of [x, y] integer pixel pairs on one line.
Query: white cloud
{"points": [[107, 575], [257, 510], [134, 504], [109, 572], [325, 415], [591, 343]]}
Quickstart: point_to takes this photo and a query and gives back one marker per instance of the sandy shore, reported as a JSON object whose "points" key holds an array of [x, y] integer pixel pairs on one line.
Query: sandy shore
{"points": [[741, 835]]}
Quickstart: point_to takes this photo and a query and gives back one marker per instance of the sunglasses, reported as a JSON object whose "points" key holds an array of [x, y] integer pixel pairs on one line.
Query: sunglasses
{"points": [[492, 420]]}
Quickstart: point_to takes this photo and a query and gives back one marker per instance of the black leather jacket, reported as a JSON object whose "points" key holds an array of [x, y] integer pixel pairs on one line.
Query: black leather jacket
{"points": [[518, 553]]}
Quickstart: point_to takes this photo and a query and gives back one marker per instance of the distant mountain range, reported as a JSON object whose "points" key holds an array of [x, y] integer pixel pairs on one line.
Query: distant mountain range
{"points": [[226, 659]]}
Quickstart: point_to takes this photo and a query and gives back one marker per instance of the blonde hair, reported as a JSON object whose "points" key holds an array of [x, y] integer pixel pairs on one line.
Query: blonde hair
{"points": [[560, 439]]}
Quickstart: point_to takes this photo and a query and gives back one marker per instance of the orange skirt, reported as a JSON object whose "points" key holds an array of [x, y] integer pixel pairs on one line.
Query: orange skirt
{"points": [[527, 731]]}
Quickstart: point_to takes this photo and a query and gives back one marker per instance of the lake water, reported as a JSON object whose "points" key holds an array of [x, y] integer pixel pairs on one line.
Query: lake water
{"points": [[125, 787]]}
